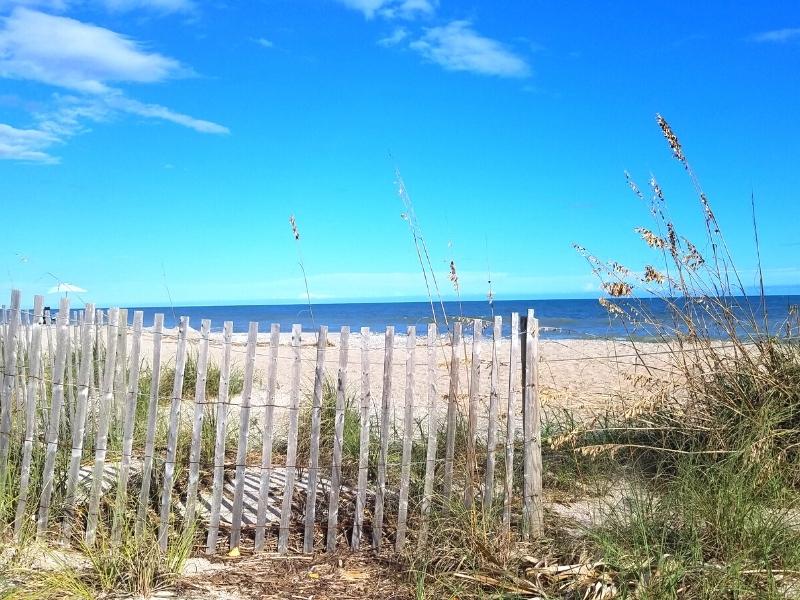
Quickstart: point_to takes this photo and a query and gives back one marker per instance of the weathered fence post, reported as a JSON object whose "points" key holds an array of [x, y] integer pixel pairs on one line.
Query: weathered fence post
{"points": [[172, 436], [313, 467], [491, 434], [363, 441], [131, 398], [79, 426], [291, 444], [62, 346], [244, 430], [433, 436], [452, 408], [266, 448], [197, 423], [34, 351], [408, 432], [472, 421], [532, 509], [336, 467], [7, 390], [511, 407], [103, 419], [152, 413], [121, 376], [386, 401], [219, 443]]}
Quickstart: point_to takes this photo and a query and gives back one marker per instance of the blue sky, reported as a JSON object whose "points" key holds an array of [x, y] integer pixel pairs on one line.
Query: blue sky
{"points": [[156, 148]]}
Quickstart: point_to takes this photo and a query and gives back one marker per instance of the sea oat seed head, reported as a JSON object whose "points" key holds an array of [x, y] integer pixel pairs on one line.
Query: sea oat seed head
{"points": [[294, 227], [618, 289], [454, 275], [650, 238], [651, 275], [674, 143]]}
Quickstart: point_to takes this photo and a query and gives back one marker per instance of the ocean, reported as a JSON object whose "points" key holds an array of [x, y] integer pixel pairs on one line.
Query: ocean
{"points": [[578, 318]]}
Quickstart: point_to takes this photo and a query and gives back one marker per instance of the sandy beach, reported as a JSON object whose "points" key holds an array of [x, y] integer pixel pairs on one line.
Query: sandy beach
{"points": [[581, 376]]}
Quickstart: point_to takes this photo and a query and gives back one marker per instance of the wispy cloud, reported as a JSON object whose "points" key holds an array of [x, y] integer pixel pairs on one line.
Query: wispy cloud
{"points": [[26, 144], [60, 6], [397, 36], [161, 6], [458, 47], [777, 36], [262, 41], [392, 9], [90, 62], [155, 111]]}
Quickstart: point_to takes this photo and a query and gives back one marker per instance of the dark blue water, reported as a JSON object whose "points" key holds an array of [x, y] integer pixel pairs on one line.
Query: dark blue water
{"points": [[583, 318]]}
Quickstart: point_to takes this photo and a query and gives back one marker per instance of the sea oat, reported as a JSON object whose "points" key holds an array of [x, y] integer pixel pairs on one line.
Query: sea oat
{"points": [[295, 232], [454, 275], [633, 186], [658, 194], [674, 244], [674, 143], [621, 269], [693, 258], [618, 289], [650, 238], [651, 275], [611, 307]]}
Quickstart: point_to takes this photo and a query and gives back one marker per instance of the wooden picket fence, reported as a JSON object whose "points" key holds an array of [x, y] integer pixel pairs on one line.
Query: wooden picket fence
{"points": [[67, 385]]}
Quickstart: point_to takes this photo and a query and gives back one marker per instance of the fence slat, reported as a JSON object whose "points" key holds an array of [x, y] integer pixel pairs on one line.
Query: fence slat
{"points": [[197, 423], [452, 407], [219, 443], [152, 413], [363, 441], [494, 401], [62, 350], [128, 421], [433, 436], [121, 376], [7, 389], [408, 424], [35, 356], [472, 420], [79, 426], [244, 430], [266, 448], [172, 435], [511, 408], [336, 468], [313, 466], [103, 419], [386, 400], [537, 519], [291, 443], [531, 506]]}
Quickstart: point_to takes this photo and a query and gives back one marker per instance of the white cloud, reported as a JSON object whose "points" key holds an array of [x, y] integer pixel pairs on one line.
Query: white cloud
{"points": [[161, 6], [87, 60], [392, 9], [60, 6], [265, 42], [778, 36], [67, 53], [49, 5], [26, 144], [457, 47], [397, 36], [155, 111]]}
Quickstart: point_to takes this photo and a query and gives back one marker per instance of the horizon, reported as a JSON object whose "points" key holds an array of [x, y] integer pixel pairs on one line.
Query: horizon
{"points": [[418, 300], [156, 151]]}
